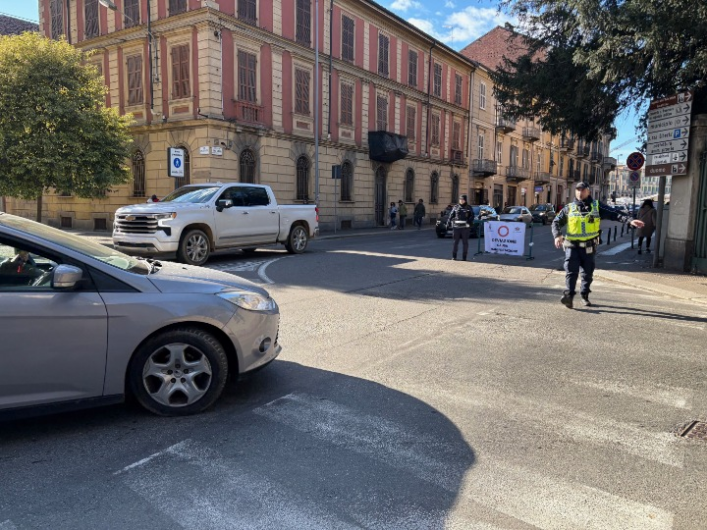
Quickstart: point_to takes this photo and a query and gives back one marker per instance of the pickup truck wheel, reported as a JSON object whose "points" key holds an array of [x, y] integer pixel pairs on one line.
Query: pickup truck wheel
{"points": [[178, 372], [194, 248], [297, 240]]}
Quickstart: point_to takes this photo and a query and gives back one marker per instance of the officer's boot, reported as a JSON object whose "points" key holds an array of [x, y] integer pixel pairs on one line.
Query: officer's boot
{"points": [[567, 300], [454, 257]]}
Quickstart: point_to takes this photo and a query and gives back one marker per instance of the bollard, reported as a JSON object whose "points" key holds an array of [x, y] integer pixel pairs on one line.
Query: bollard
{"points": [[608, 238], [615, 229], [530, 245], [622, 229]]}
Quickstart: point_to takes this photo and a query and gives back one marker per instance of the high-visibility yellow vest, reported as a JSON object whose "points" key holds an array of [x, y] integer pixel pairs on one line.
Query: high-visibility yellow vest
{"points": [[583, 226]]}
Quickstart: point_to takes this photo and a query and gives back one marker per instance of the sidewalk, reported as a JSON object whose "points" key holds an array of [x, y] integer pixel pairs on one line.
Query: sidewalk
{"points": [[628, 267]]}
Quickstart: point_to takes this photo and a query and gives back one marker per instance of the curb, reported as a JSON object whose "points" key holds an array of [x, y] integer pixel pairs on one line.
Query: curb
{"points": [[675, 292]]}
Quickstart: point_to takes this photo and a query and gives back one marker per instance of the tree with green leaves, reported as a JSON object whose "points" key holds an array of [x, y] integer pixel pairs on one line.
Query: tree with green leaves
{"points": [[587, 60], [55, 130]]}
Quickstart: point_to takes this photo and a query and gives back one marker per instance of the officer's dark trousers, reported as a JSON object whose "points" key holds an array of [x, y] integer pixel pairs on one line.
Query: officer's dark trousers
{"points": [[463, 235], [576, 260]]}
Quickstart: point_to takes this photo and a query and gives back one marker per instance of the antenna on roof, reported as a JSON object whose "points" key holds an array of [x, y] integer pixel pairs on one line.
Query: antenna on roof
{"points": [[509, 26]]}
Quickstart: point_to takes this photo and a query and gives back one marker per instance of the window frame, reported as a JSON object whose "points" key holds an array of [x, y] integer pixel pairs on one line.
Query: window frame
{"points": [[383, 55], [303, 87], [434, 188], [482, 96], [138, 89], [411, 112], [302, 169], [177, 7], [381, 112], [247, 6], [435, 121], [181, 75], [131, 14], [437, 80], [87, 5], [246, 92], [346, 113], [347, 180], [458, 89], [243, 168], [480, 145], [413, 59], [409, 191], [348, 48], [56, 18], [302, 15], [138, 162]]}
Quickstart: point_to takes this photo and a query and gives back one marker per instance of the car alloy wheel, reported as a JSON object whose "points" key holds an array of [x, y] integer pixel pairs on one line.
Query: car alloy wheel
{"points": [[176, 375], [297, 242], [197, 248]]}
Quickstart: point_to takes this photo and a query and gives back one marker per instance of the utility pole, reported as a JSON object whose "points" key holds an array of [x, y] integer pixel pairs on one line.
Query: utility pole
{"points": [[316, 102]]}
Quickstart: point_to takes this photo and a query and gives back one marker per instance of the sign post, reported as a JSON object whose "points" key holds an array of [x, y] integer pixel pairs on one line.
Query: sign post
{"points": [[336, 175]]}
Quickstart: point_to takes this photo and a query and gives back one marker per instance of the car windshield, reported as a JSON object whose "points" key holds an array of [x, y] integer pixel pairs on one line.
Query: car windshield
{"points": [[537, 208], [513, 209], [77, 244], [201, 194]]}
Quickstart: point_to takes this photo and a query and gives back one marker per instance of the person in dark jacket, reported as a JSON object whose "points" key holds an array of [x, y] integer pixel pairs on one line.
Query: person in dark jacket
{"points": [[647, 214], [582, 219], [419, 213], [461, 219]]}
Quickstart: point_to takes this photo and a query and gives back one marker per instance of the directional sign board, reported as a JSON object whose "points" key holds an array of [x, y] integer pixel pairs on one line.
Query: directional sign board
{"points": [[668, 135], [176, 162]]}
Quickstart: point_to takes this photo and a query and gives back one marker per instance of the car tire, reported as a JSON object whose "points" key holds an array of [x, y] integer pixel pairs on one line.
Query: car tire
{"points": [[170, 354], [297, 240], [194, 248], [441, 235]]}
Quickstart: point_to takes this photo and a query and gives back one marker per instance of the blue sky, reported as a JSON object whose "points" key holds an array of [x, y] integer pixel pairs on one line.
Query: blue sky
{"points": [[454, 22]]}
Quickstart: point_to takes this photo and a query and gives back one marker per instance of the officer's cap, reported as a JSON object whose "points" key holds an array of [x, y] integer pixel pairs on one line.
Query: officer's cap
{"points": [[582, 186]]}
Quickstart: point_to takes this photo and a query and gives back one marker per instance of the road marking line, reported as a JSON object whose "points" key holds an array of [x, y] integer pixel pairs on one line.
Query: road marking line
{"points": [[664, 395], [615, 250], [151, 457], [583, 427], [544, 501], [261, 271]]}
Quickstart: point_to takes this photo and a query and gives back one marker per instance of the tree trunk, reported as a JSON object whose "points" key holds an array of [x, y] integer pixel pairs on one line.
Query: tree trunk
{"points": [[3, 205], [39, 209]]}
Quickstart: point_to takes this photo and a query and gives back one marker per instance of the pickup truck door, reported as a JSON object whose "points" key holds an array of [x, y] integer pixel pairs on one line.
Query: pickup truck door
{"points": [[263, 217], [231, 223]]}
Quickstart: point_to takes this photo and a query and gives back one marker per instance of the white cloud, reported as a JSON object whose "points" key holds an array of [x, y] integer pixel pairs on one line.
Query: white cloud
{"points": [[449, 4], [424, 25], [471, 23], [404, 5]]}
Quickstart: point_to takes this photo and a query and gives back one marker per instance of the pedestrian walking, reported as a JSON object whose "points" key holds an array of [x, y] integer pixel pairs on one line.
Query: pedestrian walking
{"points": [[402, 213], [582, 219], [392, 213], [461, 219], [648, 215], [419, 213]]}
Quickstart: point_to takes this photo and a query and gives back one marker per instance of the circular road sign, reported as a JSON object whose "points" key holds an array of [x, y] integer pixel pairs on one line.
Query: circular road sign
{"points": [[635, 161], [634, 176], [177, 163], [503, 231]]}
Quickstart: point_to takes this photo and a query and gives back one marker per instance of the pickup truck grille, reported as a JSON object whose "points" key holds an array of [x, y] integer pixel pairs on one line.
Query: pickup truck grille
{"points": [[136, 224]]}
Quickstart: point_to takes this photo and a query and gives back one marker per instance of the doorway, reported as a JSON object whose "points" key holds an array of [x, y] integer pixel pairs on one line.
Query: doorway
{"points": [[498, 196], [381, 197], [512, 193]]}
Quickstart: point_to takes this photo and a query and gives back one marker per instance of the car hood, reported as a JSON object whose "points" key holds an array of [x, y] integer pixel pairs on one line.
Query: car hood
{"points": [[508, 216], [160, 207], [178, 278]]}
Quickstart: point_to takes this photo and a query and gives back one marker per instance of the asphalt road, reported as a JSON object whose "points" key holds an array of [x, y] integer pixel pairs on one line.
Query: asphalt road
{"points": [[413, 392]]}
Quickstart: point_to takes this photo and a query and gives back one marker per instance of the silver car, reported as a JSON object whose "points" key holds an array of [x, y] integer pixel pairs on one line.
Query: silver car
{"points": [[83, 324], [517, 214]]}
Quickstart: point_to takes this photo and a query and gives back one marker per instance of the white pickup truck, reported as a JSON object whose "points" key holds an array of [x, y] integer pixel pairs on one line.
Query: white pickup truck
{"points": [[197, 219]]}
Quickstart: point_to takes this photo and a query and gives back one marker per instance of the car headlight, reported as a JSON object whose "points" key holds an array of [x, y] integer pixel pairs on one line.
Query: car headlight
{"points": [[249, 300], [165, 216]]}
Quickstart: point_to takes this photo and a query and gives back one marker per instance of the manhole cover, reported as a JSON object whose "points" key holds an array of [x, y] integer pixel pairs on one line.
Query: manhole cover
{"points": [[693, 430]]}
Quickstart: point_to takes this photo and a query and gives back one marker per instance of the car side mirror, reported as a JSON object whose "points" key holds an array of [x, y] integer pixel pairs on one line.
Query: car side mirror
{"points": [[223, 204], [66, 277]]}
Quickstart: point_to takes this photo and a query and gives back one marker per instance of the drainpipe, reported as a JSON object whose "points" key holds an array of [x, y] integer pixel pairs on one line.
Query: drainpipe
{"points": [[68, 21], [470, 146], [429, 89], [149, 55], [331, 44]]}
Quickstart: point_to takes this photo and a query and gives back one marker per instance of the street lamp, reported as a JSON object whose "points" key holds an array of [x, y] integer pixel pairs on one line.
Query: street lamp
{"points": [[111, 5]]}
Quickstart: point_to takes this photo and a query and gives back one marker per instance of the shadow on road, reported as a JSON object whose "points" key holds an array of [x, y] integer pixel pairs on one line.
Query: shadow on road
{"points": [[634, 311], [306, 444]]}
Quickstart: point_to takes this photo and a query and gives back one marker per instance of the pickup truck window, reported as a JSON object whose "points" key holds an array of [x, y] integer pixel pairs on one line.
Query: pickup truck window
{"points": [[256, 196], [198, 195]]}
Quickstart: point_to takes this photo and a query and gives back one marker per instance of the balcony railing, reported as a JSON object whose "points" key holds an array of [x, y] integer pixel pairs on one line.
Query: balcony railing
{"points": [[574, 175], [566, 144], [484, 167], [249, 112], [596, 157], [542, 178], [516, 173], [609, 162], [531, 134], [505, 124], [456, 156]]}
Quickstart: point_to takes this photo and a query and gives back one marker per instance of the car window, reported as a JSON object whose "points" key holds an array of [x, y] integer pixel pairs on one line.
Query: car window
{"points": [[235, 194], [78, 244], [255, 196], [512, 210], [24, 270], [198, 195]]}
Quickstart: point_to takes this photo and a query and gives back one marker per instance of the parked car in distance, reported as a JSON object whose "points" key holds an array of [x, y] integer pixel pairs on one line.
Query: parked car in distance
{"points": [[517, 214], [481, 213], [83, 325], [195, 220], [543, 213]]}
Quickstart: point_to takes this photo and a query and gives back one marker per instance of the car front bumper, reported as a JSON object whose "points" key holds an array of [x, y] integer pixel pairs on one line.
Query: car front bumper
{"points": [[157, 244], [255, 336]]}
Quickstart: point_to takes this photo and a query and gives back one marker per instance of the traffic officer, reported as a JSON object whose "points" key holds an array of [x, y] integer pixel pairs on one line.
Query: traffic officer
{"points": [[582, 218], [461, 219]]}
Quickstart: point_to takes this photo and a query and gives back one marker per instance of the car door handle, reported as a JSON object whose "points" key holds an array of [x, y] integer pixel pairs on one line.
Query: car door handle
{"points": [[273, 212], [245, 213]]}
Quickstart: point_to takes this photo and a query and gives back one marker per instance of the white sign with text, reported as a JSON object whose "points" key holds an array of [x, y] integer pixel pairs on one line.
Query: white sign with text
{"points": [[504, 238]]}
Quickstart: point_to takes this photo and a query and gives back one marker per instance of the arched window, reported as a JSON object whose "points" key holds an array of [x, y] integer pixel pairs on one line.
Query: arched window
{"points": [[247, 166], [455, 188], [186, 179], [409, 185], [303, 178], [138, 163], [434, 188], [346, 180]]}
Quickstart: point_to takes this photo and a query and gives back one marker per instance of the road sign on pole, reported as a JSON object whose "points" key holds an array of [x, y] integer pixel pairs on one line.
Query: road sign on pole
{"points": [[634, 179], [668, 131], [635, 161]]}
